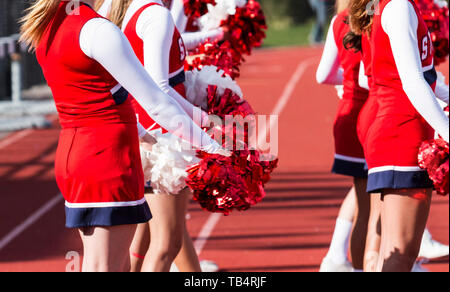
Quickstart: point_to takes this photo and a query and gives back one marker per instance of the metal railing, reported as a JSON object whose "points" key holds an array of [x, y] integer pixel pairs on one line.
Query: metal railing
{"points": [[18, 68]]}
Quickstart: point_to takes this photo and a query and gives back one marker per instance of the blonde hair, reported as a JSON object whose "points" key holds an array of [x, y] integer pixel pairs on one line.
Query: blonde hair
{"points": [[98, 4], [37, 20], [118, 10], [341, 5]]}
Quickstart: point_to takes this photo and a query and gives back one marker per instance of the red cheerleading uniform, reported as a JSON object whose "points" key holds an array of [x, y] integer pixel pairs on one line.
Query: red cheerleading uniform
{"points": [[176, 64], [370, 109], [349, 158], [98, 167], [396, 134]]}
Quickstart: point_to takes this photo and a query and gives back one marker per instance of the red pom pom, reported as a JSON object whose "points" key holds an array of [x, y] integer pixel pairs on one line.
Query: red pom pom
{"points": [[193, 10], [437, 19], [246, 30], [223, 184], [216, 54], [197, 8], [434, 157]]}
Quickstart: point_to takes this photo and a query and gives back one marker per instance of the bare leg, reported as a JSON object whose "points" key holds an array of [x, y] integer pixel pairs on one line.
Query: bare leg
{"points": [[348, 207], [166, 228], [106, 248], [405, 214], [359, 234], [139, 247], [373, 234], [187, 260]]}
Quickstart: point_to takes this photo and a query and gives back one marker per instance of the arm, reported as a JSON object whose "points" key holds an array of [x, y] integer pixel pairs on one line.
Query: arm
{"points": [[400, 22], [104, 42], [328, 71], [193, 39], [177, 11], [155, 27], [442, 90]]}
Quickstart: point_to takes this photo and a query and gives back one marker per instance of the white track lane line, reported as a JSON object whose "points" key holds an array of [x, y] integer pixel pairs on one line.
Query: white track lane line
{"points": [[14, 138], [30, 221], [214, 218]]}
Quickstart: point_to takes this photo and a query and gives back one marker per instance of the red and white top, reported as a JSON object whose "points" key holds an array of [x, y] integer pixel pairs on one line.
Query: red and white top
{"points": [[85, 93], [402, 64], [83, 63], [151, 32]]}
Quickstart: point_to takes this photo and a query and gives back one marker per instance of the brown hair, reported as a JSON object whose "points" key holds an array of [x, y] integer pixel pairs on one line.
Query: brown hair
{"points": [[360, 20], [36, 21], [118, 10]]}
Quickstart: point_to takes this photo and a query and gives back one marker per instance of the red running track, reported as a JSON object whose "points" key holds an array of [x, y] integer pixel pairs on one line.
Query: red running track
{"points": [[289, 231]]}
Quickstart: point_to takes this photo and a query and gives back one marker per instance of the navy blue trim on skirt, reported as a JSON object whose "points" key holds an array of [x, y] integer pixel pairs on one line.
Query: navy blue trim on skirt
{"points": [[109, 216], [392, 179], [349, 168]]}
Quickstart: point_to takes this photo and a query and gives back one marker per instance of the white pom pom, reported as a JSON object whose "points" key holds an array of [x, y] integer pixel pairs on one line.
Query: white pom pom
{"points": [[168, 160], [219, 12], [197, 82]]}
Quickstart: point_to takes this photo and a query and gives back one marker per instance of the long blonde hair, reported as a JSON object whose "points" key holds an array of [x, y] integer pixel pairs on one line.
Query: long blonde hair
{"points": [[118, 10], [37, 20], [341, 5]]}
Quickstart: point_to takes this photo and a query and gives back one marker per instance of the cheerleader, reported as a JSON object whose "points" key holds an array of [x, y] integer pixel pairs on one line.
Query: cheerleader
{"points": [[156, 41], [86, 60], [403, 80], [349, 157]]}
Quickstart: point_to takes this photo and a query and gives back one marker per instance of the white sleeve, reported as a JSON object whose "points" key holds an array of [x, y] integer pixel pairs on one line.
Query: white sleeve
{"points": [[105, 8], [362, 78], [442, 90], [155, 27], [193, 39], [104, 42], [177, 11], [329, 71], [141, 130], [399, 21]]}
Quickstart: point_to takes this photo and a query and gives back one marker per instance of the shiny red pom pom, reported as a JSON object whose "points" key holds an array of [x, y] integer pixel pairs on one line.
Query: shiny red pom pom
{"points": [[223, 184], [434, 157], [437, 19]]}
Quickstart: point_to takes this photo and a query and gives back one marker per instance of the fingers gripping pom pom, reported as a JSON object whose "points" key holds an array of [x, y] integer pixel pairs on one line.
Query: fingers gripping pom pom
{"points": [[434, 157], [165, 165], [223, 184], [197, 82]]}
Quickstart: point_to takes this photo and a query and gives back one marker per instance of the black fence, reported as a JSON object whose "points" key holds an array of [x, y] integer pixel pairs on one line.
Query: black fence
{"points": [[10, 13]]}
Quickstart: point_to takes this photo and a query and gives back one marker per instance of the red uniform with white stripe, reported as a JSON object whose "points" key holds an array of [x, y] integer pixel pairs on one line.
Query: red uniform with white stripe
{"points": [[394, 138], [176, 64], [98, 160], [349, 158]]}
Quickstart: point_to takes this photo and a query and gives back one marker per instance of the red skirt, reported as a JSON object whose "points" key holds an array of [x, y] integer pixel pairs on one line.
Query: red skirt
{"points": [[99, 173], [349, 157]]}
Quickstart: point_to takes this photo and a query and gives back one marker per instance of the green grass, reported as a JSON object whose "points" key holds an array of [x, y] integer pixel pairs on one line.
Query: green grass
{"points": [[293, 35]]}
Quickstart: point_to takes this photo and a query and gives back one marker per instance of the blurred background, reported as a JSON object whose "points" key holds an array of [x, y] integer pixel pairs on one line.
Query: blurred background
{"points": [[290, 23]]}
